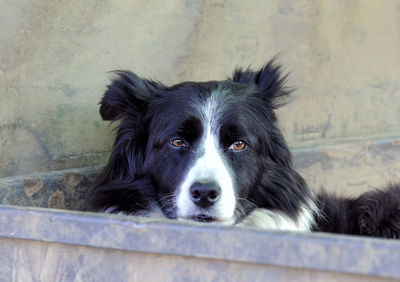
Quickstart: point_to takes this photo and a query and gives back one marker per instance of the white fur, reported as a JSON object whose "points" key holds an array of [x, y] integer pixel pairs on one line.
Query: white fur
{"points": [[258, 218], [112, 210], [210, 166], [273, 220]]}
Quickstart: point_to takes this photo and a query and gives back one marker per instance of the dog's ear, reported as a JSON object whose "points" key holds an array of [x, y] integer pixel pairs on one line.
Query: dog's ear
{"points": [[269, 81], [128, 94]]}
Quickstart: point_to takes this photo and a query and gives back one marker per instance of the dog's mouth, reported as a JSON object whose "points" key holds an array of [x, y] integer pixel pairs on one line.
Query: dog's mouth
{"points": [[203, 218]]}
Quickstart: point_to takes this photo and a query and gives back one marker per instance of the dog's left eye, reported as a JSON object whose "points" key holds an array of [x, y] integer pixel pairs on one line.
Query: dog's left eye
{"points": [[178, 142], [238, 146]]}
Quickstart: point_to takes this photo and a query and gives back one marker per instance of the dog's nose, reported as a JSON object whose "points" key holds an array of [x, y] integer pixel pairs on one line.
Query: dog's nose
{"points": [[205, 193]]}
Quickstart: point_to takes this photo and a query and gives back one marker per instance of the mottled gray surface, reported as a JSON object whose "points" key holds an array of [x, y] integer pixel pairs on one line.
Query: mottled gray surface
{"points": [[350, 168], [64, 246], [66, 189]]}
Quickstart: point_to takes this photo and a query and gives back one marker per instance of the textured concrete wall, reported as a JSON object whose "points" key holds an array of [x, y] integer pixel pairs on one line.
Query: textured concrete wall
{"points": [[54, 58]]}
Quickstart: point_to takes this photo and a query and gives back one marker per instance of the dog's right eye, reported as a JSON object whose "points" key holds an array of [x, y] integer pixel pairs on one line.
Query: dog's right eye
{"points": [[238, 146], [178, 143]]}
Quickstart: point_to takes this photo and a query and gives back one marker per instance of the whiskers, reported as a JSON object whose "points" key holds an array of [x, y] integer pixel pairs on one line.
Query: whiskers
{"points": [[168, 205], [241, 211]]}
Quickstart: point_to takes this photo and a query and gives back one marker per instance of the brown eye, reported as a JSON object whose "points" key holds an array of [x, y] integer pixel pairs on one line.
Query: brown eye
{"points": [[177, 142], [238, 146]]}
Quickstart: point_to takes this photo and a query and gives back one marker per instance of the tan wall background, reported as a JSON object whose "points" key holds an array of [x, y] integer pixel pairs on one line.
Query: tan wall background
{"points": [[54, 57]]}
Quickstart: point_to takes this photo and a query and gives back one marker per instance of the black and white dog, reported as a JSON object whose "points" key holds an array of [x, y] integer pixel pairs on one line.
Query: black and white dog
{"points": [[212, 152]]}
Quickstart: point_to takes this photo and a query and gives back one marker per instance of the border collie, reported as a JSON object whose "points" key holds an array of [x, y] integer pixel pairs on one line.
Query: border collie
{"points": [[212, 152]]}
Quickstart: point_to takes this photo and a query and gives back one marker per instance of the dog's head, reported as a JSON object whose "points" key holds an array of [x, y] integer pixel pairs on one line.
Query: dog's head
{"points": [[206, 151]]}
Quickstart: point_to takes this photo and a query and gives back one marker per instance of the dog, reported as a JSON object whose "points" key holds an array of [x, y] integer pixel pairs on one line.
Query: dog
{"points": [[212, 152]]}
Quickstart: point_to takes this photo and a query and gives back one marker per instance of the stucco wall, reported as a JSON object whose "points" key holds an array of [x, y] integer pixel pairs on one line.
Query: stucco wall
{"points": [[54, 57]]}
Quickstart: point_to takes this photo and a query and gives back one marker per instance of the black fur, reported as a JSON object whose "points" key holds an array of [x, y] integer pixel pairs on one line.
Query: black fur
{"points": [[375, 213], [144, 171]]}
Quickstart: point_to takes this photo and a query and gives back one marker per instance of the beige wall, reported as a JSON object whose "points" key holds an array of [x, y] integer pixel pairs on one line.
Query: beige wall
{"points": [[54, 56]]}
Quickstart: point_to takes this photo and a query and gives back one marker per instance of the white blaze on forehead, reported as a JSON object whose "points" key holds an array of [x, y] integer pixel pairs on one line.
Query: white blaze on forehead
{"points": [[209, 166]]}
